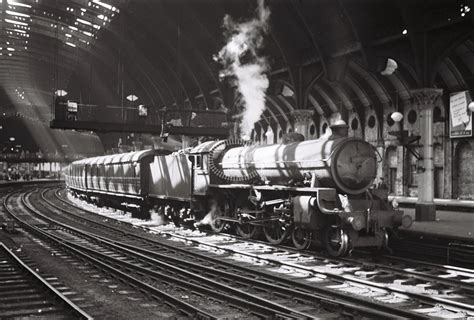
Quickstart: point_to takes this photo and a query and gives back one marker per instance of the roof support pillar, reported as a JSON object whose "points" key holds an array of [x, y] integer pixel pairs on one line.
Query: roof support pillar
{"points": [[302, 120], [426, 99]]}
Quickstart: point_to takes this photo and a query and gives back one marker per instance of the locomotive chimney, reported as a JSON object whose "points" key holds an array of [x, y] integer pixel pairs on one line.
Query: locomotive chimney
{"points": [[339, 130]]}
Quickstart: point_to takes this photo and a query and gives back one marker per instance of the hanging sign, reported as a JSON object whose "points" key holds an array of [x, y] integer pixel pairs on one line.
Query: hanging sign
{"points": [[71, 106], [460, 117]]}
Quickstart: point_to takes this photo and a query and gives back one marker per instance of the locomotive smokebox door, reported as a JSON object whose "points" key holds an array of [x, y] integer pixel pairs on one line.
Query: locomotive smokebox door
{"points": [[304, 214]]}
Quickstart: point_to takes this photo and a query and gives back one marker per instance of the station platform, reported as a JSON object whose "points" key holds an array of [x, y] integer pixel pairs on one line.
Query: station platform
{"points": [[449, 224], [443, 204]]}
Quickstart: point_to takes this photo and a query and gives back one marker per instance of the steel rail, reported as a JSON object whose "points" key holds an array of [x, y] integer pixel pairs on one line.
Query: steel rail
{"points": [[416, 274], [382, 309], [425, 299], [249, 301], [74, 310], [182, 306], [429, 300], [460, 284]]}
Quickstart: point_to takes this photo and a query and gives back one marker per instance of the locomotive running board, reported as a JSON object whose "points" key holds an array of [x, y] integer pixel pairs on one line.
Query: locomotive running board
{"points": [[267, 187]]}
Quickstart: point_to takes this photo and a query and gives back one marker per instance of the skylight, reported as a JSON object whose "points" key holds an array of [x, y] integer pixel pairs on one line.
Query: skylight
{"points": [[84, 21], [103, 4], [19, 4], [14, 13], [16, 22]]}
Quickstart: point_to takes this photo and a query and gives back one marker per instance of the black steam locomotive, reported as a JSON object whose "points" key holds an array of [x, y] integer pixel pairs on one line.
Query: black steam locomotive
{"points": [[306, 190]]}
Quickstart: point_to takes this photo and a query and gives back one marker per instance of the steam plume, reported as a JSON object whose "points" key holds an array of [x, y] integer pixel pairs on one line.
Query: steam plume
{"points": [[241, 60]]}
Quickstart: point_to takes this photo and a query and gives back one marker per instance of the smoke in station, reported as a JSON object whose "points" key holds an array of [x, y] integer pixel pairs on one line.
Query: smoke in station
{"points": [[242, 63]]}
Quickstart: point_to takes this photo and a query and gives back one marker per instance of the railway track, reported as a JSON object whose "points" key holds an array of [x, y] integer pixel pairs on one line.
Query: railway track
{"points": [[124, 262], [24, 293], [419, 293]]}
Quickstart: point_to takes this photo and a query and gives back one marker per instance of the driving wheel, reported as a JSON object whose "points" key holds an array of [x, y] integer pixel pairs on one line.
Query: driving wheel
{"points": [[301, 238], [276, 231]]}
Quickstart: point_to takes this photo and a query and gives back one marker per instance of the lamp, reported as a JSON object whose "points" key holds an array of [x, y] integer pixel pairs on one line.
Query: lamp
{"points": [[132, 97], [60, 93], [390, 67], [287, 92], [471, 106], [397, 116], [403, 136]]}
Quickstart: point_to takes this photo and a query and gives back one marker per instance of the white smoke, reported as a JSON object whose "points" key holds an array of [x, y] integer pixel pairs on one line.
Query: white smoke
{"points": [[241, 60], [157, 217], [208, 217]]}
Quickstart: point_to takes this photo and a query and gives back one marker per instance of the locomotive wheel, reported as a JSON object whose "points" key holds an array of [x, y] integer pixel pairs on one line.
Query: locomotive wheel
{"points": [[222, 210], [246, 230], [276, 232], [301, 238], [336, 241], [217, 225], [384, 245]]}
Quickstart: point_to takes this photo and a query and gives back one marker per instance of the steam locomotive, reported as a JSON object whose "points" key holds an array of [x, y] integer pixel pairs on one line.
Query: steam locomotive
{"points": [[315, 190]]}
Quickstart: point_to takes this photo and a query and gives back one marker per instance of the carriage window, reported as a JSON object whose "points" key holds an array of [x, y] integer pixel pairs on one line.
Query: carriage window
{"points": [[198, 162], [137, 170], [204, 161]]}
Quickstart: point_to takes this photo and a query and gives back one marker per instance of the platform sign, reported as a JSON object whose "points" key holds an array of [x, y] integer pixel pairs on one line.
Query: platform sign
{"points": [[460, 118], [72, 106]]}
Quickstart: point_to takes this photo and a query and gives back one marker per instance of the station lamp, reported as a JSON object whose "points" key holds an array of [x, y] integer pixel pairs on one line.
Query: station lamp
{"points": [[397, 116], [403, 136], [390, 67], [471, 106], [60, 93], [132, 97]]}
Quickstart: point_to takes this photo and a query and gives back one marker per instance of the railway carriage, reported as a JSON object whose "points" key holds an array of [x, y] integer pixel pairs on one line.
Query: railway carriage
{"points": [[110, 179], [303, 190]]}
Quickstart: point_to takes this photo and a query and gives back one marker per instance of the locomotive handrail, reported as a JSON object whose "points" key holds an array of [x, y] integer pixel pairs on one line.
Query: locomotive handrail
{"points": [[323, 209], [282, 161]]}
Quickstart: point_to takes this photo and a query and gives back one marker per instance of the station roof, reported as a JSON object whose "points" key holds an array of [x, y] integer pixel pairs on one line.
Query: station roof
{"points": [[321, 55]]}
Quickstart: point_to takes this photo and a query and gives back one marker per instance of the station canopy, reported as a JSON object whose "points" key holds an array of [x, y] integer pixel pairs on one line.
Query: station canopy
{"points": [[328, 56]]}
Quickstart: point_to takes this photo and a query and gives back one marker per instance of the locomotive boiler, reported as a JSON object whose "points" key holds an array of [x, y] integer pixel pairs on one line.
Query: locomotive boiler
{"points": [[336, 162]]}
